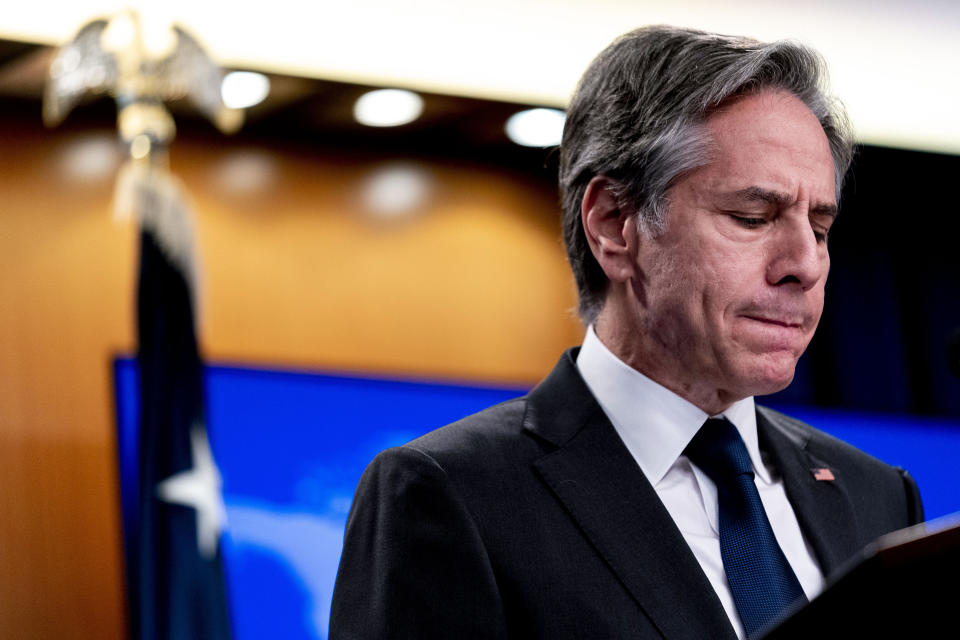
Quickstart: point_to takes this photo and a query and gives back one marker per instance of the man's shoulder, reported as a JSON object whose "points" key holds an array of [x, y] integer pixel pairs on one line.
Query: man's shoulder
{"points": [[883, 494], [800, 432], [474, 459], [480, 434], [827, 448], [551, 412]]}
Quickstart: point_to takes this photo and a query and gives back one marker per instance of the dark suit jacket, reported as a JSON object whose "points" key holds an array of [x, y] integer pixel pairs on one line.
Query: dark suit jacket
{"points": [[532, 520]]}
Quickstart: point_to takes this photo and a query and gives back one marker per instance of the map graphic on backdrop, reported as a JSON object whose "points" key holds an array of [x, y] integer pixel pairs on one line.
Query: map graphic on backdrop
{"points": [[291, 447]]}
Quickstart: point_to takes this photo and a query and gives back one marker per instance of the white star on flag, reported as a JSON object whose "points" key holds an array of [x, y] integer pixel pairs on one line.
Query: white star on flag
{"points": [[199, 488]]}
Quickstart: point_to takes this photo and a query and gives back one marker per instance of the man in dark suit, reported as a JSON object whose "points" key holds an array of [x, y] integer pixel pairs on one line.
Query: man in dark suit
{"points": [[638, 492]]}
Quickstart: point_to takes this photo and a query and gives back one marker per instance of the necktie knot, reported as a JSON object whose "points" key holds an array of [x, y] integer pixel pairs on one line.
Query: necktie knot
{"points": [[719, 451]]}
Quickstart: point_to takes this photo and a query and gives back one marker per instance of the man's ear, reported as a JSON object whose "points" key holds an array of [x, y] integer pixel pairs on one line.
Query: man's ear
{"points": [[611, 232]]}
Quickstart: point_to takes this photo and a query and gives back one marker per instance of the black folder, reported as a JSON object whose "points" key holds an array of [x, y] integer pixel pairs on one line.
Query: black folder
{"points": [[904, 585]]}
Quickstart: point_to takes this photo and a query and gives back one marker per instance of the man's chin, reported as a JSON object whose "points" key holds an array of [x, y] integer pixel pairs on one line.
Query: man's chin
{"points": [[772, 386], [770, 375]]}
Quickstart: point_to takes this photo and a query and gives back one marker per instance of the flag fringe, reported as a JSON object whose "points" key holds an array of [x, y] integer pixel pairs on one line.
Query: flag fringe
{"points": [[157, 201]]}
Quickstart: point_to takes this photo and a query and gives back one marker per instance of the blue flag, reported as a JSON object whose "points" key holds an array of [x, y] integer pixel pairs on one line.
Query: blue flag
{"points": [[177, 585]]}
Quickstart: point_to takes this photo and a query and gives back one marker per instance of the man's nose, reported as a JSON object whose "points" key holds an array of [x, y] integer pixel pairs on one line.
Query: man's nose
{"points": [[797, 256]]}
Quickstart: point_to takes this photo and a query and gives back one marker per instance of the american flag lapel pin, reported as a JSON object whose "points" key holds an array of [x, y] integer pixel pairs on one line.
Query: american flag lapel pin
{"points": [[823, 474]]}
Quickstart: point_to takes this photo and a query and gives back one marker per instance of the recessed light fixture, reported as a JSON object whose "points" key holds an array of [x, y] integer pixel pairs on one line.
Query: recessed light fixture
{"points": [[246, 172], [242, 89], [396, 190], [387, 108], [536, 127]]}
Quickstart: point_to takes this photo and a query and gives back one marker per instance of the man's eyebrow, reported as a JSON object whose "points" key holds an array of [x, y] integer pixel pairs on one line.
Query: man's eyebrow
{"points": [[755, 194], [825, 209]]}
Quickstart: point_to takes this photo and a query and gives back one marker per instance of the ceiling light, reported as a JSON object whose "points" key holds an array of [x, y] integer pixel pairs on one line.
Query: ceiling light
{"points": [[396, 190], [388, 108], [242, 89], [536, 127], [246, 172]]}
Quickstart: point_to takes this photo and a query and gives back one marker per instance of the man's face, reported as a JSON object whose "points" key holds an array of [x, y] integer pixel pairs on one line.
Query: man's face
{"points": [[732, 291]]}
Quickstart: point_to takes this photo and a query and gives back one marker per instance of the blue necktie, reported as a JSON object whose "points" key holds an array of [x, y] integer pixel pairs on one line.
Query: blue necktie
{"points": [[761, 580]]}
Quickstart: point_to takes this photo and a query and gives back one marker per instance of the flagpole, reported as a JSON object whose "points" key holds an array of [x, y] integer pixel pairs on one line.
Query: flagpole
{"points": [[176, 579]]}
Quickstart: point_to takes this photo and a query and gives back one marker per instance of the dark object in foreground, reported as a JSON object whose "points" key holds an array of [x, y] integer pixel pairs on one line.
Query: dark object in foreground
{"points": [[905, 585]]}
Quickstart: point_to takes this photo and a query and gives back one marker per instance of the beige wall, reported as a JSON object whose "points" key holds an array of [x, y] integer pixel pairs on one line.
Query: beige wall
{"points": [[295, 271]]}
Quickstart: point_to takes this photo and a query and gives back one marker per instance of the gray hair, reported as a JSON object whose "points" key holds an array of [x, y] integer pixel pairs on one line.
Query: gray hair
{"points": [[638, 117]]}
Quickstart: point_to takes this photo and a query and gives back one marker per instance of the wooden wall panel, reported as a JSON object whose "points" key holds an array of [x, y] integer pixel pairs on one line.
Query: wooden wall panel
{"points": [[295, 271], [65, 284], [474, 285]]}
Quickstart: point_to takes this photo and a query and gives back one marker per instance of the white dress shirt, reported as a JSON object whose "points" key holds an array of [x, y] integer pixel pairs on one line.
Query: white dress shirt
{"points": [[656, 425]]}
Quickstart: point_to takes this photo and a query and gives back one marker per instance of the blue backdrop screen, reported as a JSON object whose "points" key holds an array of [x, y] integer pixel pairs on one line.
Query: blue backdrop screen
{"points": [[291, 447]]}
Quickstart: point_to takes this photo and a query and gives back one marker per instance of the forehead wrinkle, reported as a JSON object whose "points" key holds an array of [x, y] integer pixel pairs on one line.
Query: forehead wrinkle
{"points": [[799, 138]]}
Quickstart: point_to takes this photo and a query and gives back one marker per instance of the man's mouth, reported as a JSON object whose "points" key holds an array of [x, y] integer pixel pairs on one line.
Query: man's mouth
{"points": [[789, 323]]}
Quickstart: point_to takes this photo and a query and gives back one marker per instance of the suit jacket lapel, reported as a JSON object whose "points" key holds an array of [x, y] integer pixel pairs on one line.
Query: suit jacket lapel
{"points": [[823, 507], [606, 494]]}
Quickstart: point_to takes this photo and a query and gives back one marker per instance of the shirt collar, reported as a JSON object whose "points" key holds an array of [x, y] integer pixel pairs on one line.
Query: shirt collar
{"points": [[654, 423]]}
